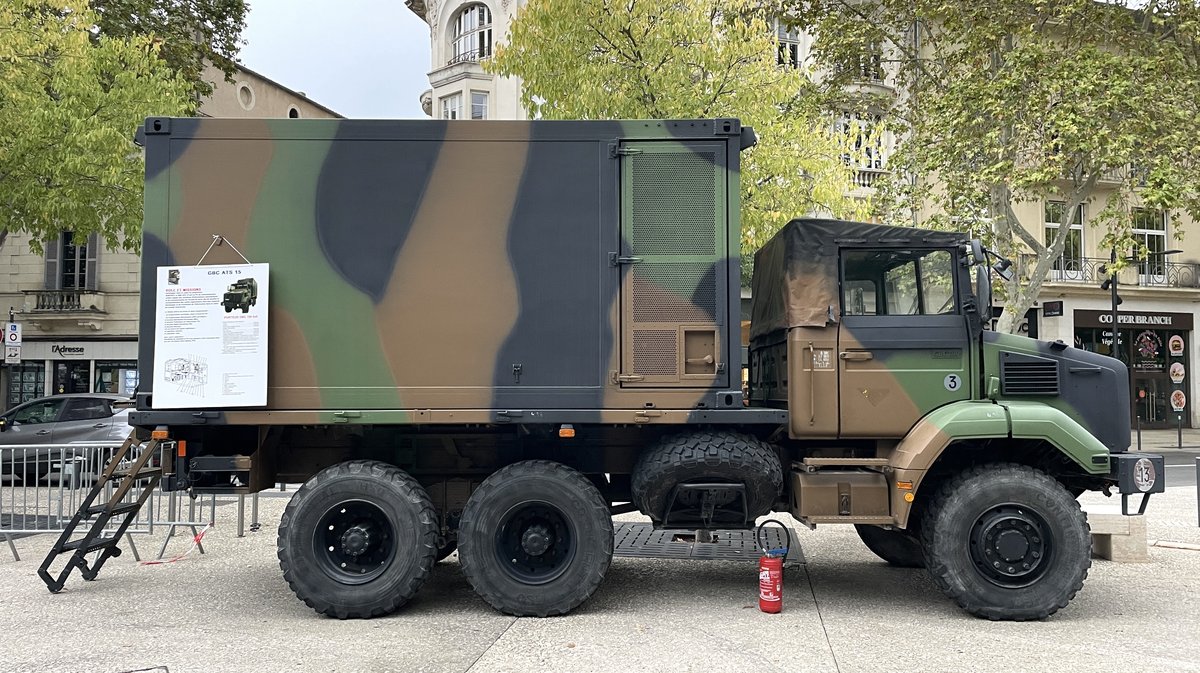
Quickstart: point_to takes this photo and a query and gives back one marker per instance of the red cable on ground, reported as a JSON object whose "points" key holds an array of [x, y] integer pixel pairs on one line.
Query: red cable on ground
{"points": [[195, 543]]}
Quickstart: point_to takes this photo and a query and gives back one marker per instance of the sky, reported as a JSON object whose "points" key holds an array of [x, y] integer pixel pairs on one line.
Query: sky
{"points": [[361, 58]]}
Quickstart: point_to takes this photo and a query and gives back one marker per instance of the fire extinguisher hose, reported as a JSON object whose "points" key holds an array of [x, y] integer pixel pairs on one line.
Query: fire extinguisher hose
{"points": [[787, 536]]}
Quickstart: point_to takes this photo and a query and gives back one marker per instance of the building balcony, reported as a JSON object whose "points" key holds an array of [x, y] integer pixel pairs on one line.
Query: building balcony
{"points": [[866, 178], [55, 309], [1152, 273]]}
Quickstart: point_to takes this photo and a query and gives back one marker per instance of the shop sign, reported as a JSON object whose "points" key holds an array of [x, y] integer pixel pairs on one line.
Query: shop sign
{"points": [[1052, 309], [1090, 318], [1149, 351], [1178, 400], [1177, 372], [1175, 345]]}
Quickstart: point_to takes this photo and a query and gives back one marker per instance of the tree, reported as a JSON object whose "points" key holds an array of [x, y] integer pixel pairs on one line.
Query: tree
{"points": [[70, 101], [1019, 101], [191, 32], [635, 59]]}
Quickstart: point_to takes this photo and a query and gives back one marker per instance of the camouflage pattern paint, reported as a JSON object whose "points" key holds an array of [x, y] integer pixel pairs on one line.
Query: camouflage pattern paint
{"points": [[446, 272]]}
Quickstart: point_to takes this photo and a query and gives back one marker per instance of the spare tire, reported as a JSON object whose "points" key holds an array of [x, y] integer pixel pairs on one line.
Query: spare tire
{"points": [[707, 456]]}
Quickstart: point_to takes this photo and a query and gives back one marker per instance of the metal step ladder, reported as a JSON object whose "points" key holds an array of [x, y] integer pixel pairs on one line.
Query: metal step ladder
{"points": [[130, 468]]}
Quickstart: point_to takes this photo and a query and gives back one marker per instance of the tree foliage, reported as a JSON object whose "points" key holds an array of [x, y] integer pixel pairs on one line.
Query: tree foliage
{"points": [[190, 32], [71, 99], [641, 59], [1021, 101]]}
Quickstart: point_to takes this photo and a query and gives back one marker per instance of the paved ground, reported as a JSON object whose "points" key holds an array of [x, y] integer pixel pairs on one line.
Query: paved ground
{"points": [[845, 611]]}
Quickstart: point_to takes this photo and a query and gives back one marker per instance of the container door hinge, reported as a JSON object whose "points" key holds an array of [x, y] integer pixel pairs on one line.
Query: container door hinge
{"points": [[345, 416], [201, 417], [508, 416], [618, 377], [644, 416], [615, 150]]}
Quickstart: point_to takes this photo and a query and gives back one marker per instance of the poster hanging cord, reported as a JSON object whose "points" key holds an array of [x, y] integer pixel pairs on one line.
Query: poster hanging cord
{"points": [[219, 240]]}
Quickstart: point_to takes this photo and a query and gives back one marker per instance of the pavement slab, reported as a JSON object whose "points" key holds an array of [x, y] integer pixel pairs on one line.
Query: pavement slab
{"points": [[229, 610]]}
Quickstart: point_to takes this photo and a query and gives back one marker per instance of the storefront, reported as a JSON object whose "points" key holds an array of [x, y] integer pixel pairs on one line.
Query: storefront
{"points": [[56, 367], [1155, 347]]}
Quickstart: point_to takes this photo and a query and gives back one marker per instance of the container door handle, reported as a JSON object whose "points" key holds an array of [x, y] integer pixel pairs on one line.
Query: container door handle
{"points": [[856, 356], [812, 384]]}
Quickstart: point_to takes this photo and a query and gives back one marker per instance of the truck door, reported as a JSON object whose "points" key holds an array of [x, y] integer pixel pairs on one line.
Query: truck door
{"points": [[673, 261], [903, 347]]}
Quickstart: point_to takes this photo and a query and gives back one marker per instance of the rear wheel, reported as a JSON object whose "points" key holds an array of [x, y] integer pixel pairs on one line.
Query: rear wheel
{"points": [[1006, 542], [358, 540], [899, 548], [535, 539]]}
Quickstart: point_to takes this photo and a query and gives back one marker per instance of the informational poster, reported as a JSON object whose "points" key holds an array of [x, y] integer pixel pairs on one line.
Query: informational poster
{"points": [[210, 337]]}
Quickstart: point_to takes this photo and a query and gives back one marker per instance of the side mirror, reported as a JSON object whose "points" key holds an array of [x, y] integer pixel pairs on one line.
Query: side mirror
{"points": [[1003, 268]]}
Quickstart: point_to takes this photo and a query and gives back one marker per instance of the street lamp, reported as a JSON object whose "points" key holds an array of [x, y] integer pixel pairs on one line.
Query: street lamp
{"points": [[1110, 283]]}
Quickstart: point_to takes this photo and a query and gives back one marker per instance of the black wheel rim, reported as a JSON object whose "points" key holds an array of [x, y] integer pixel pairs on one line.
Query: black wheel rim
{"points": [[1011, 546], [535, 542], [354, 542]]}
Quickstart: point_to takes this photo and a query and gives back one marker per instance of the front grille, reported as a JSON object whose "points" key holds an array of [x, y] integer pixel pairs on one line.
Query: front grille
{"points": [[1028, 375]]}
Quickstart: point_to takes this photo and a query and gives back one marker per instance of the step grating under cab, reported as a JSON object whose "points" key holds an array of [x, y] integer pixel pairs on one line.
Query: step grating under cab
{"points": [[640, 540]]}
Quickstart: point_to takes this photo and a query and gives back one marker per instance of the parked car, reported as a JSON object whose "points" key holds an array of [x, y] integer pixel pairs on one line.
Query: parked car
{"points": [[84, 418]]}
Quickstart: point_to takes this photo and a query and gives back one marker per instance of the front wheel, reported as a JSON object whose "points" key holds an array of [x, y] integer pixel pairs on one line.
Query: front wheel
{"points": [[1006, 542], [535, 539], [358, 539], [899, 548]]}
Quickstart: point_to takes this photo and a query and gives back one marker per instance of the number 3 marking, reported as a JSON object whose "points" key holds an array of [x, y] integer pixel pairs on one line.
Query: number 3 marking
{"points": [[951, 382]]}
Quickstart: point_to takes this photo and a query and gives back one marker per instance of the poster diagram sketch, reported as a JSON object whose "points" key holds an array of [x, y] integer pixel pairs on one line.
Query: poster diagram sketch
{"points": [[189, 374], [243, 294]]}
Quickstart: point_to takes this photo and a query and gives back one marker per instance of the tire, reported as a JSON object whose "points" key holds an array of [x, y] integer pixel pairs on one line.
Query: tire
{"points": [[228, 309], [371, 503], [705, 456], [535, 539], [899, 548], [1034, 521]]}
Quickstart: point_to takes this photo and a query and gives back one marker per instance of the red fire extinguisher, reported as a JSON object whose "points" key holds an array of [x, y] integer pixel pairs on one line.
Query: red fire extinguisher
{"points": [[770, 570]]}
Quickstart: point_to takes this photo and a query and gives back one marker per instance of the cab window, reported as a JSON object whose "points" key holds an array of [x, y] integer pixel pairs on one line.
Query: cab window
{"points": [[898, 282]]}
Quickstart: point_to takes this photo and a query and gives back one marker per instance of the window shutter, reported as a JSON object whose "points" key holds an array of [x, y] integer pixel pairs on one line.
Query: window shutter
{"points": [[92, 281], [53, 254]]}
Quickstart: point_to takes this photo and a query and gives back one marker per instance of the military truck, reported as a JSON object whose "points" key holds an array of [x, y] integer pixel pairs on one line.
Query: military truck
{"points": [[241, 294], [495, 335]]}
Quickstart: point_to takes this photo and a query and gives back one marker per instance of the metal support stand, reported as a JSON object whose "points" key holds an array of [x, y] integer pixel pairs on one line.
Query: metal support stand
{"points": [[241, 527], [254, 524], [133, 548], [1139, 432], [17, 557]]}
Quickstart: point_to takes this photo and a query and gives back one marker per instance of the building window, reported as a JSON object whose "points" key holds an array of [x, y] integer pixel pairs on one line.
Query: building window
{"points": [[867, 137], [1069, 265], [26, 381], [120, 377], [245, 97], [293, 112], [479, 105], [472, 34], [788, 41], [71, 262], [1150, 229], [866, 66], [452, 106]]}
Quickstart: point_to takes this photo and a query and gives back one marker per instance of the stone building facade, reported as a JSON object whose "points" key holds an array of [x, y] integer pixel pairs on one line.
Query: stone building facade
{"points": [[78, 302]]}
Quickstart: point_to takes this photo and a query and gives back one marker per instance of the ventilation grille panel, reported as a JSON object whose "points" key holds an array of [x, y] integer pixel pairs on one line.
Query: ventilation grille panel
{"points": [[674, 293], [655, 352], [1028, 375], [674, 204]]}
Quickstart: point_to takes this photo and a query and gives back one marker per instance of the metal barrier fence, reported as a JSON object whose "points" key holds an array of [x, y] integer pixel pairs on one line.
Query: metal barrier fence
{"points": [[42, 487]]}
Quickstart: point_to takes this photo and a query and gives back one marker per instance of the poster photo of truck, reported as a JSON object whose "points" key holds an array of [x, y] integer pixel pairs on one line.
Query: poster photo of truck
{"points": [[241, 295]]}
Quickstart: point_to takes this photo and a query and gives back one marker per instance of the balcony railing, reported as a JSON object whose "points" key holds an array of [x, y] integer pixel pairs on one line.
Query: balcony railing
{"points": [[1152, 273], [865, 178], [63, 301], [470, 56]]}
